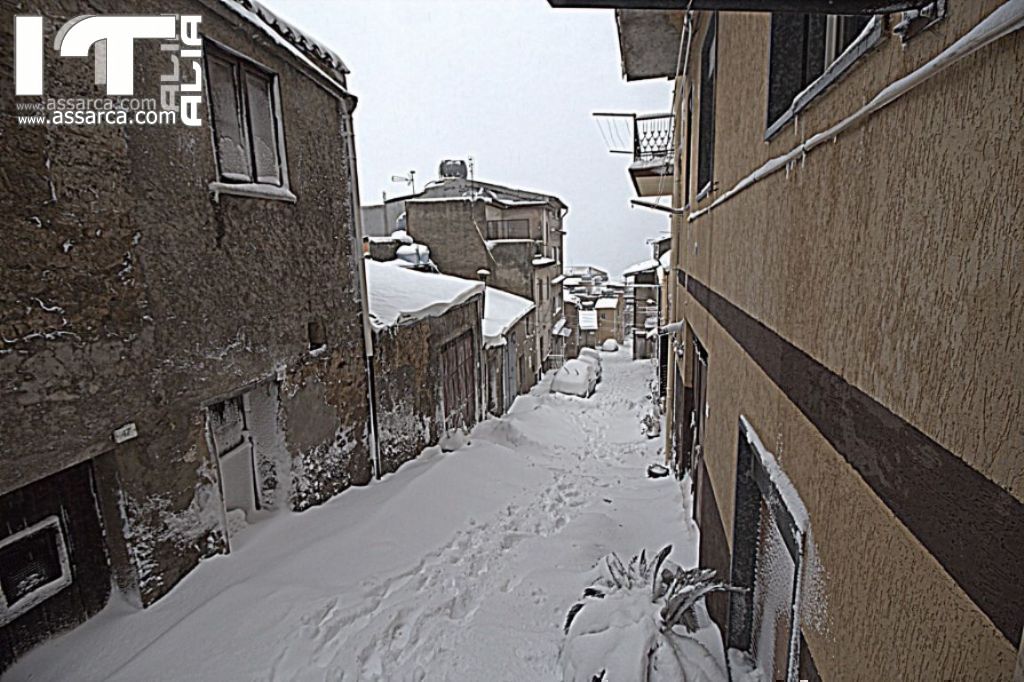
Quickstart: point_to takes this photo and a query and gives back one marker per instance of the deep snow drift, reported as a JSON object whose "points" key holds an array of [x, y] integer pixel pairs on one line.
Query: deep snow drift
{"points": [[459, 566]]}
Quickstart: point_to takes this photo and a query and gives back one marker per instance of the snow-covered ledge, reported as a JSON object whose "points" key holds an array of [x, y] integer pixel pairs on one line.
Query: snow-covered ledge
{"points": [[868, 39], [252, 190]]}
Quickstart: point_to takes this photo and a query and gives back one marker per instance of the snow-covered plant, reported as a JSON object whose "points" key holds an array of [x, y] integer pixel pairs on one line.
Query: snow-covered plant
{"points": [[641, 622], [650, 425]]}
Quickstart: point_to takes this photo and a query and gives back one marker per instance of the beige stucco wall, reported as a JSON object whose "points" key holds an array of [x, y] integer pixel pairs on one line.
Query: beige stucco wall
{"points": [[895, 257], [922, 285]]}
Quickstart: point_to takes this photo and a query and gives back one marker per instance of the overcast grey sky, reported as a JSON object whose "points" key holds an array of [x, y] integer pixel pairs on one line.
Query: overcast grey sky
{"points": [[511, 83]]}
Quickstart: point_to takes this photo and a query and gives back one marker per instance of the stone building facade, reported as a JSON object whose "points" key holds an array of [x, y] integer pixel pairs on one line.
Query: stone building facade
{"points": [[183, 326], [847, 240], [428, 374], [516, 235]]}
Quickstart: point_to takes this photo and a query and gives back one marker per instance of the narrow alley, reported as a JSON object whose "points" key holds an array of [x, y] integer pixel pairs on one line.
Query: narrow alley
{"points": [[437, 590]]}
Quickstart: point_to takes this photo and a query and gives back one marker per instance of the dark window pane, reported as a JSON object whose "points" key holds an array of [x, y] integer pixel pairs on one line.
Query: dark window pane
{"points": [[264, 129], [28, 564], [705, 156], [228, 124], [814, 64], [849, 28], [786, 62]]}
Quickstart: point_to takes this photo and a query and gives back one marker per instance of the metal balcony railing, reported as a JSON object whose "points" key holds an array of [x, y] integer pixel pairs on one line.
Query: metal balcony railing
{"points": [[652, 137], [508, 229]]}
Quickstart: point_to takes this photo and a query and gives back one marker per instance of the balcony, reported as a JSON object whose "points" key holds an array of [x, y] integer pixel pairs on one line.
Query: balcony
{"points": [[653, 159], [508, 229]]}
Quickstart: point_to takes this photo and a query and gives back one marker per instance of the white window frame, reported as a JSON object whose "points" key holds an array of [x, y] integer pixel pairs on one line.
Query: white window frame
{"points": [[9, 612]]}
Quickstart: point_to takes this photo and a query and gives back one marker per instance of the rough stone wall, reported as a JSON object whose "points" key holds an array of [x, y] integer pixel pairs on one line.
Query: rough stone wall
{"points": [[453, 231], [134, 295], [407, 372], [850, 256]]}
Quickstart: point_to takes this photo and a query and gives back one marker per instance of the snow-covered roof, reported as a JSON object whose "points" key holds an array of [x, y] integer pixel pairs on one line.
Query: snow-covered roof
{"points": [[642, 266], [398, 295], [607, 304], [502, 311], [541, 261], [588, 320], [315, 54], [448, 189]]}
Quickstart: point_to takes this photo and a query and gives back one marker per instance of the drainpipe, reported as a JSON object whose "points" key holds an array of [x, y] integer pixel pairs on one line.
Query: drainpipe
{"points": [[348, 106], [483, 274]]}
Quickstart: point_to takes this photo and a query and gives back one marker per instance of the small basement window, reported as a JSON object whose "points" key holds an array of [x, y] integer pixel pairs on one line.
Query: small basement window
{"points": [[808, 53], [317, 335], [34, 566], [246, 121]]}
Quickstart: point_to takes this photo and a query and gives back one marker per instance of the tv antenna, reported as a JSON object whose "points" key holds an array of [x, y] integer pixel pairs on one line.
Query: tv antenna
{"points": [[406, 179]]}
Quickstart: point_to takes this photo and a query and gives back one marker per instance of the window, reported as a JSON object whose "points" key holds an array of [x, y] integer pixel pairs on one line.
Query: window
{"points": [[706, 141], [804, 58], [689, 141], [247, 133], [769, 541], [34, 566]]}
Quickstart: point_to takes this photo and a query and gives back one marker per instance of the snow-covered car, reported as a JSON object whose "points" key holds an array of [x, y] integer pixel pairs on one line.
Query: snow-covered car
{"points": [[575, 377], [591, 357]]}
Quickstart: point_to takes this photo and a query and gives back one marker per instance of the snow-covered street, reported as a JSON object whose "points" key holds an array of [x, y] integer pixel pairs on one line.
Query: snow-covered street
{"points": [[461, 566]]}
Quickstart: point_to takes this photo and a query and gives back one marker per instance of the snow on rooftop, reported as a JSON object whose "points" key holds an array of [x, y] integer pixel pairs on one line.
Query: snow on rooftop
{"points": [[588, 320], [642, 266], [607, 304], [398, 294], [540, 261], [502, 311]]}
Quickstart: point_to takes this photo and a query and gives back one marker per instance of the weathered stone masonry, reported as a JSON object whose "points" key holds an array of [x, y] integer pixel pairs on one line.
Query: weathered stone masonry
{"points": [[132, 294]]}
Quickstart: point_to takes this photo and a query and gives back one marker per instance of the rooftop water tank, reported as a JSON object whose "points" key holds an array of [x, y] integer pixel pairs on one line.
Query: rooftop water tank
{"points": [[451, 168]]}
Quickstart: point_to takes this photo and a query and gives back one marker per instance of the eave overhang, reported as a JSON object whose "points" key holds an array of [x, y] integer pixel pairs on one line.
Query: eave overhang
{"points": [[802, 6]]}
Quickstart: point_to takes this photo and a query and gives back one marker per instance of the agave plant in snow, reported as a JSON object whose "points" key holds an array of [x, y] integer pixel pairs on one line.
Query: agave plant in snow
{"points": [[644, 622]]}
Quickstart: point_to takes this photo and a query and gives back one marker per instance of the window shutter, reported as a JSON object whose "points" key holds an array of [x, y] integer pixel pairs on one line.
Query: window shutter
{"points": [[228, 121], [259, 93]]}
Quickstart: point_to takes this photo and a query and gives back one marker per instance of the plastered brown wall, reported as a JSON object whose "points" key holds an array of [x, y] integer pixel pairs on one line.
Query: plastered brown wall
{"points": [[894, 258], [152, 298]]}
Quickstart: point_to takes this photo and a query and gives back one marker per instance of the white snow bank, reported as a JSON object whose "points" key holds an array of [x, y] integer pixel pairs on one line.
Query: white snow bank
{"points": [[610, 346], [502, 311], [414, 254], [402, 236], [398, 295]]}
